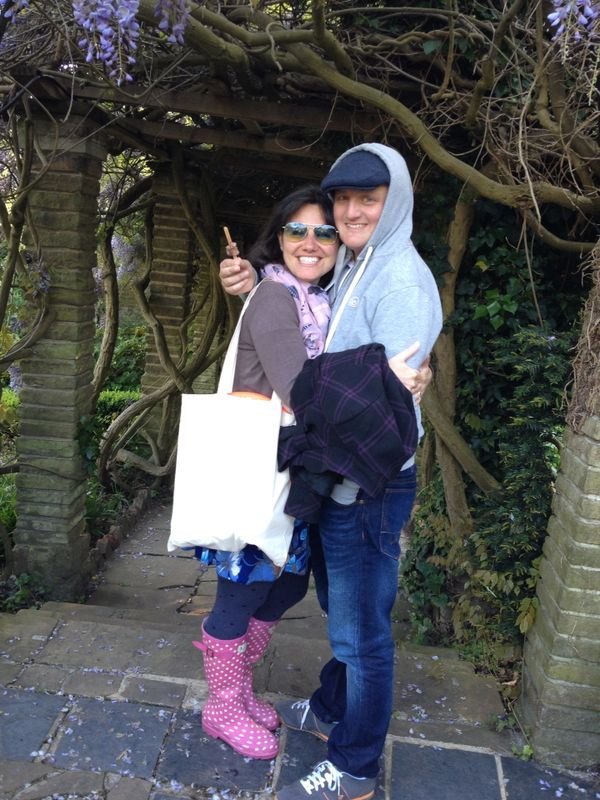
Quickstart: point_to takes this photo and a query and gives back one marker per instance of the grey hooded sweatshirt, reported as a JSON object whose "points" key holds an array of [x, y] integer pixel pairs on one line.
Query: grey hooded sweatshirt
{"points": [[396, 301]]}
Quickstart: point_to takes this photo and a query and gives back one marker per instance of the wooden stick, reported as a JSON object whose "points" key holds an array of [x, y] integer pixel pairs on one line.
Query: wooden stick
{"points": [[233, 250]]}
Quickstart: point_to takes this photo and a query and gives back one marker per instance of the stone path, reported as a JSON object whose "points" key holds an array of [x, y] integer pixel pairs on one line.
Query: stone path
{"points": [[103, 700]]}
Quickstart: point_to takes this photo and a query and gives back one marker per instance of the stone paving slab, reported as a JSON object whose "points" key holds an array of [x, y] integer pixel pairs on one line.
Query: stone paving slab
{"points": [[527, 781], [294, 664], [451, 688], [25, 721], [439, 698], [153, 541], [460, 734], [106, 736], [156, 616], [144, 571], [129, 648], [9, 672], [26, 781], [62, 680], [192, 758], [139, 689], [423, 773], [144, 600], [33, 781], [23, 635]]}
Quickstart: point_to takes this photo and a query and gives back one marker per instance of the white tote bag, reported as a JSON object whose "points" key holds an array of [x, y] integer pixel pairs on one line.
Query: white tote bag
{"points": [[228, 492]]}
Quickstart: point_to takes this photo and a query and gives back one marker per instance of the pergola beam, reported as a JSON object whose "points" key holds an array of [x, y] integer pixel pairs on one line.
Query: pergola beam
{"points": [[285, 114], [192, 134]]}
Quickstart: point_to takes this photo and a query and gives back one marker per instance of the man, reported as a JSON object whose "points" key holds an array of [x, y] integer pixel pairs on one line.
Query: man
{"points": [[389, 296]]}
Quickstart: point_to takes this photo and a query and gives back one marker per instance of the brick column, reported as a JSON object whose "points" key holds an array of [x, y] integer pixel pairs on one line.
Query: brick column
{"points": [[560, 702], [171, 277], [50, 536]]}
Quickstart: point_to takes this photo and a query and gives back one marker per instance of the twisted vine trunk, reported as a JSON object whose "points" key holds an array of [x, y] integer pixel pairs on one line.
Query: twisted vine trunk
{"points": [[445, 375]]}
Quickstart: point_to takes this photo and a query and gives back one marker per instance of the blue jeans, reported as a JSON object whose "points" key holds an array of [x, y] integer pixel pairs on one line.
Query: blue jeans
{"points": [[361, 548]]}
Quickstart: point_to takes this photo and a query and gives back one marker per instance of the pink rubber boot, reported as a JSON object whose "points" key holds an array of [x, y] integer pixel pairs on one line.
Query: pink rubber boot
{"points": [[258, 637], [224, 715]]}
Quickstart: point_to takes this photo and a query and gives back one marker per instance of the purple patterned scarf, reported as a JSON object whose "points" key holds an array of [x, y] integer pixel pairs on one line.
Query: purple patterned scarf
{"points": [[312, 304]]}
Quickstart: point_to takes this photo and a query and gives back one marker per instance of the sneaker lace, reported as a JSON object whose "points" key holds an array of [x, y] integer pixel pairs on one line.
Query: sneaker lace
{"points": [[323, 773], [303, 705]]}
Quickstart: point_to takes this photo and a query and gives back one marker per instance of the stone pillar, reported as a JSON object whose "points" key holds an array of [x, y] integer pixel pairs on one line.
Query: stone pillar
{"points": [[173, 246], [50, 537], [560, 702]]}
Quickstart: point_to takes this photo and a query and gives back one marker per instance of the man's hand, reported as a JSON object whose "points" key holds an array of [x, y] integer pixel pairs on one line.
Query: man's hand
{"points": [[415, 380], [237, 275]]}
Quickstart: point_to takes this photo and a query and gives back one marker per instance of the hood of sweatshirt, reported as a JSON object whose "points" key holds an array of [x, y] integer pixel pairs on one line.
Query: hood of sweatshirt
{"points": [[394, 229], [389, 294]]}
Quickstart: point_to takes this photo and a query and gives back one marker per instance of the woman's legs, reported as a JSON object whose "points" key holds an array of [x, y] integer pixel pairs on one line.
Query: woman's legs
{"points": [[235, 603], [285, 592], [236, 635]]}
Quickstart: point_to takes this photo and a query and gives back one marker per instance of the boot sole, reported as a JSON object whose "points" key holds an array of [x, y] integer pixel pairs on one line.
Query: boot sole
{"points": [[215, 733]]}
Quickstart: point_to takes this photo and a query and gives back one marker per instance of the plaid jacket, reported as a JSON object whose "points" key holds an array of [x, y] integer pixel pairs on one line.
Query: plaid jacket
{"points": [[354, 419]]}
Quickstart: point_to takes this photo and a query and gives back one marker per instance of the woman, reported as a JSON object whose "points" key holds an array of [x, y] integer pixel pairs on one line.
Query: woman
{"points": [[285, 323]]}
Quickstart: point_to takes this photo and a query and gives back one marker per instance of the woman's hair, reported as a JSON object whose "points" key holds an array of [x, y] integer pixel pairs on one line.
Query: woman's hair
{"points": [[266, 249]]}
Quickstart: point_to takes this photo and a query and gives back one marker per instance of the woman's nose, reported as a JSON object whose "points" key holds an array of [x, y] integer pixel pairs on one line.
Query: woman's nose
{"points": [[310, 240]]}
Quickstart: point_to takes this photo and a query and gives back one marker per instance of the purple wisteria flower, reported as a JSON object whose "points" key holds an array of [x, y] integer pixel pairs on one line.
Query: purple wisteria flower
{"points": [[11, 10], [15, 378], [173, 15], [111, 29], [574, 17], [110, 33]]}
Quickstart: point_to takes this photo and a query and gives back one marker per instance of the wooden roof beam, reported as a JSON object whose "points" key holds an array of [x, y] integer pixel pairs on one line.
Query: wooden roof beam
{"points": [[188, 135], [286, 114]]}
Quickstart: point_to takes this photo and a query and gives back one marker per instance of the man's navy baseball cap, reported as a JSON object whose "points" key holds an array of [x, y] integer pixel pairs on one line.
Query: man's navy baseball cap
{"points": [[358, 170]]}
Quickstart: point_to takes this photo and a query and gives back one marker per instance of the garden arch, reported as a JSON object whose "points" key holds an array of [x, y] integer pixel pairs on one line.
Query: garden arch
{"points": [[218, 149]]}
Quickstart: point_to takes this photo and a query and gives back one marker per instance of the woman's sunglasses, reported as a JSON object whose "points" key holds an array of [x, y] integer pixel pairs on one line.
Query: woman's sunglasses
{"points": [[297, 231]]}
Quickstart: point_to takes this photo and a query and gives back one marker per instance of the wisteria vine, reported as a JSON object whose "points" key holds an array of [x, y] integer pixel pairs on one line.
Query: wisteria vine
{"points": [[110, 29], [574, 18], [578, 21], [173, 16]]}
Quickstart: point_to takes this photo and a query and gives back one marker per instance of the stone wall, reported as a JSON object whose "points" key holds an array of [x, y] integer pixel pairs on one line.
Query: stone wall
{"points": [[50, 536], [560, 702]]}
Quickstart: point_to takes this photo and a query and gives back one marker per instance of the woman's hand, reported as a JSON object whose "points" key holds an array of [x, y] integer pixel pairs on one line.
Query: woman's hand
{"points": [[237, 275], [415, 380]]}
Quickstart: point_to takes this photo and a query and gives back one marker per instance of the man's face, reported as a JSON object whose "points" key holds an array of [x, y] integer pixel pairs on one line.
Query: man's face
{"points": [[356, 213]]}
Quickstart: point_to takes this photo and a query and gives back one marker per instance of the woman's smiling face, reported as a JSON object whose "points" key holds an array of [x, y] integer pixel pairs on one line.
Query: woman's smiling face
{"points": [[308, 260]]}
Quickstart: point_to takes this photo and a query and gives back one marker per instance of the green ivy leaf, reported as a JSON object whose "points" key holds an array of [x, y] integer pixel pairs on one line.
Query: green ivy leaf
{"points": [[432, 46]]}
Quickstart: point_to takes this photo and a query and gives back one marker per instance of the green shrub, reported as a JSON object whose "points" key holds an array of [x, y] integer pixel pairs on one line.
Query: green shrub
{"points": [[127, 365], [8, 502], [111, 403], [514, 329], [487, 577], [20, 591], [9, 417], [102, 508]]}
